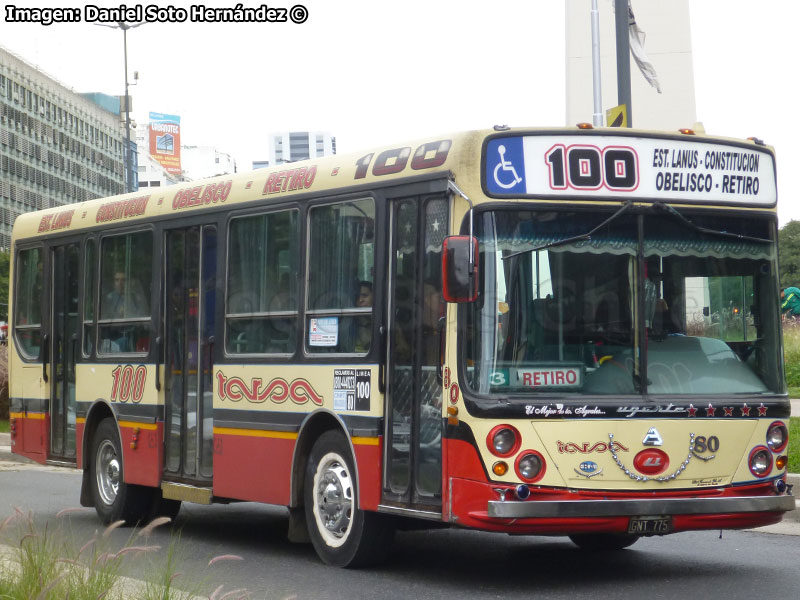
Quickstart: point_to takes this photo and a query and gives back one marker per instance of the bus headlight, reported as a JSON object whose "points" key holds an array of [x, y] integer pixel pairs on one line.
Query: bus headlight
{"points": [[777, 436], [530, 466], [503, 440], [760, 461]]}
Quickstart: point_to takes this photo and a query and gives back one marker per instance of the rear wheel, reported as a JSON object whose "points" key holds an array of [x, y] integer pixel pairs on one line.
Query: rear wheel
{"points": [[603, 542], [114, 500], [342, 534]]}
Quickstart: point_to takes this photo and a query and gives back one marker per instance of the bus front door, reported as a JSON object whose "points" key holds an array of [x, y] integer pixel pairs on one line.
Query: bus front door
{"points": [[64, 261], [190, 292], [413, 462]]}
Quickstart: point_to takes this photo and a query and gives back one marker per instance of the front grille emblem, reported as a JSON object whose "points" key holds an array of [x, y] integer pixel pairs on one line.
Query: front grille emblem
{"points": [[652, 438]]}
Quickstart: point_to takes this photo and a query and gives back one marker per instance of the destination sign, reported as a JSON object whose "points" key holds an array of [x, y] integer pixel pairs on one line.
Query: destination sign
{"points": [[638, 168]]}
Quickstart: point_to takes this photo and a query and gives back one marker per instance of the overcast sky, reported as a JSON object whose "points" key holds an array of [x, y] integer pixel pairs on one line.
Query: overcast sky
{"points": [[373, 73]]}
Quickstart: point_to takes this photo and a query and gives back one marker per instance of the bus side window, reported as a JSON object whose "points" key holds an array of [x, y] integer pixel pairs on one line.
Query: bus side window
{"points": [[262, 306], [28, 301], [125, 292], [341, 272]]}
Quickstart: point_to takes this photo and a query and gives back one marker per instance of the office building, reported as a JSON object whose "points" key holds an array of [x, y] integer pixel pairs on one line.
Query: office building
{"points": [[297, 145], [56, 146]]}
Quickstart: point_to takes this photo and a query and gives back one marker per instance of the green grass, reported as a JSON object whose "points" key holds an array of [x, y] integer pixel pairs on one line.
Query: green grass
{"points": [[4, 426], [791, 356], [48, 561], [794, 445]]}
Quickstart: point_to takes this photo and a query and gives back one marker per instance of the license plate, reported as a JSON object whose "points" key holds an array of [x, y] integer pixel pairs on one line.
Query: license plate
{"points": [[649, 525]]}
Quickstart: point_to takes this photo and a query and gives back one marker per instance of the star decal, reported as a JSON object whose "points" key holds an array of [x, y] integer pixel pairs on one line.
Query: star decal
{"points": [[710, 411], [762, 410], [745, 410], [435, 225], [692, 411], [728, 411]]}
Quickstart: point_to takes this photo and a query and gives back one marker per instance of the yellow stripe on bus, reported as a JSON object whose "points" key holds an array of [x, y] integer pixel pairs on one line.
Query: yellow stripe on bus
{"points": [[284, 435], [30, 415], [148, 426], [366, 441]]}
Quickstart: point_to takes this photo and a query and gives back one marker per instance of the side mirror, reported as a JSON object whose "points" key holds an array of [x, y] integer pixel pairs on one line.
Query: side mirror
{"points": [[460, 278]]}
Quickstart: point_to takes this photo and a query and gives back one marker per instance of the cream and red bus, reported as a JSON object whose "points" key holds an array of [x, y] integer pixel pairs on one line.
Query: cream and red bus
{"points": [[548, 332]]}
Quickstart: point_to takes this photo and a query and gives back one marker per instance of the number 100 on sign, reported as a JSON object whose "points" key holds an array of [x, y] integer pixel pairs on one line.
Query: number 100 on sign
{"points": [[592, 168]]}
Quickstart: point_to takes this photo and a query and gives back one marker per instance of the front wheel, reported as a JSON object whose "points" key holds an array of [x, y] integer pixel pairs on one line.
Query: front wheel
{"points": [[114, 500], [342, 534], [604, 542]]}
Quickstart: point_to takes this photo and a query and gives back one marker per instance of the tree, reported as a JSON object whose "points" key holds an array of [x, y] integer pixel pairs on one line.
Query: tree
{"points": [[789, 254]]}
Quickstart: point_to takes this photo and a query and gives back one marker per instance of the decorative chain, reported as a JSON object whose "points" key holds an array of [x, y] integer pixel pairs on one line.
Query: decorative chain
{"points": [[680, 470]]}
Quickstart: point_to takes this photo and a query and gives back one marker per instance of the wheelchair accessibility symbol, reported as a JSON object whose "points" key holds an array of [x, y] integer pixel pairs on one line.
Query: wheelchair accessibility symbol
{"points": [[505, 175], [505, 166]]}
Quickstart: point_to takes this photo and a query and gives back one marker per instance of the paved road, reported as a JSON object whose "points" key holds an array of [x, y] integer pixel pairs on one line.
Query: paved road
{"points": [[439, 564]]}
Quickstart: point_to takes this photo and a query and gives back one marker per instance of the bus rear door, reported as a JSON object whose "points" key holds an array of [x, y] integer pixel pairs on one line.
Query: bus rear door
{"points": [[63, 351], [190, 292]]}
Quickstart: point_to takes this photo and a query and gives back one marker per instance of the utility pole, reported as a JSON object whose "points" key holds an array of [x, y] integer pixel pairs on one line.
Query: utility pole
{"points": [[127, 154], [597, 117]]}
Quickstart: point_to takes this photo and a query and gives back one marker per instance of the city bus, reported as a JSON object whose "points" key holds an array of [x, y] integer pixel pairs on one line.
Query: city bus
{"points": [[567, 332]]}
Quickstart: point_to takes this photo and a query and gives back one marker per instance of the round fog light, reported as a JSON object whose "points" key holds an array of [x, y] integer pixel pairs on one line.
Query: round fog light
{"points": [[760, 461], [777, 436], [503, 440], [530, 466]]}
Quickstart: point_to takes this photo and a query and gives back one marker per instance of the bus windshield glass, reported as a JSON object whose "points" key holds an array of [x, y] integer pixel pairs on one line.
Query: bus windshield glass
{"points": [[646, 305]]}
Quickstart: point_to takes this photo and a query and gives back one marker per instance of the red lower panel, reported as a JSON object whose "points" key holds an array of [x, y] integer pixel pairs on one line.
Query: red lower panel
{"points": [[253, 468], [31, 437], [80, 427], [369, 460], [470, 498], [142, 453], [462, 460]]}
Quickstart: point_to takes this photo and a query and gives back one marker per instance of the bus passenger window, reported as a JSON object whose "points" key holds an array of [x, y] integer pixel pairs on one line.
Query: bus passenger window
{"points": [[263, 261], [125, 292], [29, 299], [340, 277]]}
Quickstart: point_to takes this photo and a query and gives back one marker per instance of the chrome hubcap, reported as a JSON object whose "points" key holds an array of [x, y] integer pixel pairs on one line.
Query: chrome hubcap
{"points": [[107, 467], [334, 498]]}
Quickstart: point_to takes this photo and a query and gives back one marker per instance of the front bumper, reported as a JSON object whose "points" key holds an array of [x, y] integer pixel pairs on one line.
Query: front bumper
{"points": [[513, 509]]}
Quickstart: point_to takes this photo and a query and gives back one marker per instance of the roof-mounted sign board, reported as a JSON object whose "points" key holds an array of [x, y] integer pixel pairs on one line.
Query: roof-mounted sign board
{"points": [[636, 168]]}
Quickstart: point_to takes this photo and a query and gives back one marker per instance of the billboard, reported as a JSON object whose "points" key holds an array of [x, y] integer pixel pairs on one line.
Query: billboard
{"points": [[165, 141]]}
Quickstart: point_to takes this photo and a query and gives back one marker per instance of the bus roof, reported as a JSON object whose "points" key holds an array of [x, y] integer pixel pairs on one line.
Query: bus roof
{"points": [[465, 154]]}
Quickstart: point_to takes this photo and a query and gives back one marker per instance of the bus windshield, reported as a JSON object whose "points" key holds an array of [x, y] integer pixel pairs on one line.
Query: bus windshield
{"points": [[646, 305]]}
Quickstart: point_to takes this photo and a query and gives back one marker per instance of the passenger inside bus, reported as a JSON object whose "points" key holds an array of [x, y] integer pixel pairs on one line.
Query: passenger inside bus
{"points": [[364, 323]]}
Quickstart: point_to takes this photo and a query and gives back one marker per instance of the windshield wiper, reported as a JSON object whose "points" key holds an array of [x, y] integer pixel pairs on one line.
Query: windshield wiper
{"points": [[575, 238], [670, 210]]}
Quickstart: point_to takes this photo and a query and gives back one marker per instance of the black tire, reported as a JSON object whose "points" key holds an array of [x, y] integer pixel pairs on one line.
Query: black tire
{"points": [[604, 542], [342, 534], [114, 500]]}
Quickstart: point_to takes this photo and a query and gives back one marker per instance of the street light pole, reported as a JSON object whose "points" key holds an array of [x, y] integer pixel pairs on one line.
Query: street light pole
{"points": [[127, 154]]}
